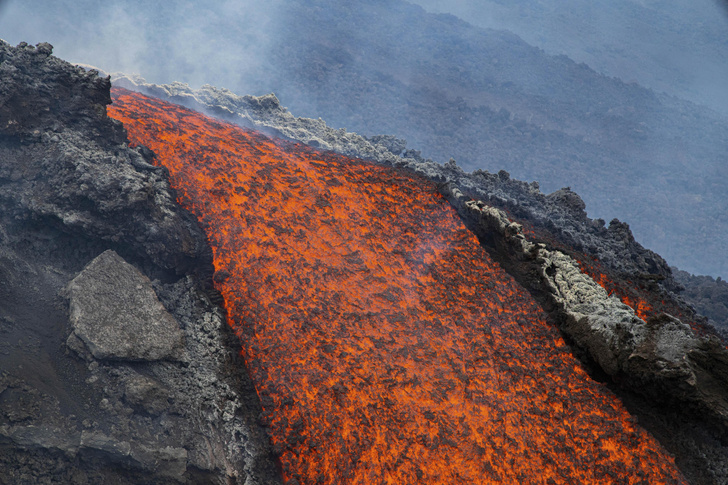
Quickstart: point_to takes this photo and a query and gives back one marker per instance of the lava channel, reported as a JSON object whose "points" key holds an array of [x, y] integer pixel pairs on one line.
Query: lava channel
{"points": [[385, 344]]}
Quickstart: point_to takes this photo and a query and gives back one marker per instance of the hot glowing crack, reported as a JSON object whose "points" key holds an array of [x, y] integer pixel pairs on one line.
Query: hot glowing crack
{"points": [[385, 344]]}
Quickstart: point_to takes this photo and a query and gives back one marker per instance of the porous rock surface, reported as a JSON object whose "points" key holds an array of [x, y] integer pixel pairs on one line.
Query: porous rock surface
{"points": [[115, 367]]}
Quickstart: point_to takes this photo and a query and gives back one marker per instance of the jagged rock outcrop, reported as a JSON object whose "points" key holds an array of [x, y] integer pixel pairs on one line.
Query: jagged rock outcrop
{"points": [[114, 368], [74, 169]]}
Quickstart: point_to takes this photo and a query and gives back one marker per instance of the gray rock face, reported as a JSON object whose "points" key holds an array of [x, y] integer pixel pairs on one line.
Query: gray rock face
{"points": [[146, 393], [73, 166], [114, 310], [603, 325]]}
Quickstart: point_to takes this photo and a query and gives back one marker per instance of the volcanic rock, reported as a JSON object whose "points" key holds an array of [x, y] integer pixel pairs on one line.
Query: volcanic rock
{"points": [[146, 393], [570, 201], [158, 396], [708, 295], [114, 310]]}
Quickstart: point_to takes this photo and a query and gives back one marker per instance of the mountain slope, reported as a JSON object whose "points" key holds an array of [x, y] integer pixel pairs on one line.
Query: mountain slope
{"points": [[484, 97], [458, 281], [667, 45]]}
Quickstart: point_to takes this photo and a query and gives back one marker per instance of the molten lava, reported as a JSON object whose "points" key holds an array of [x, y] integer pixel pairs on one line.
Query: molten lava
{"points": [[386, 346]]}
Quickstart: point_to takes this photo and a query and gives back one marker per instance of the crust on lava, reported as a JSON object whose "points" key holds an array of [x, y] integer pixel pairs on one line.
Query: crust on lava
{"points": [[662, 358]]}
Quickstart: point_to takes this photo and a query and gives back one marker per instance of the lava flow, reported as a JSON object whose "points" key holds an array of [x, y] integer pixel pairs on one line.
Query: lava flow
{"points": [[385, 344]]}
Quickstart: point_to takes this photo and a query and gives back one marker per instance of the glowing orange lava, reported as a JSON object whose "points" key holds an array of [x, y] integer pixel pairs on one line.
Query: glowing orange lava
{"points": [[386, 346]]}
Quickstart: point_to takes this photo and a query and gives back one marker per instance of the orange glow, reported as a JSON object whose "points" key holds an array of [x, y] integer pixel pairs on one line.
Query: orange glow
{"points": [[385, 344]]}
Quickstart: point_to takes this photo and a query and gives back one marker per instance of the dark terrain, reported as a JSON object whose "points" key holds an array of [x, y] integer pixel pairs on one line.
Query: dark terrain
{"points": [[84, 399]]}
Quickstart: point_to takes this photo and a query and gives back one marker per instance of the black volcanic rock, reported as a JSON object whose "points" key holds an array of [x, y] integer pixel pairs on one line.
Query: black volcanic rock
{"points": [[74, 167], [40, 92], [570, 201], [71, 189]]}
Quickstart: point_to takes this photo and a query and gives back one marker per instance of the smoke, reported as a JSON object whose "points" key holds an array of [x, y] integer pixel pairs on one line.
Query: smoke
{"points": [[224, 43]]}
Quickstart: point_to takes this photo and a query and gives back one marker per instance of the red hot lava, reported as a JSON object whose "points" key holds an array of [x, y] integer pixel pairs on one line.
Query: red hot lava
{"points": [[386, 346]]}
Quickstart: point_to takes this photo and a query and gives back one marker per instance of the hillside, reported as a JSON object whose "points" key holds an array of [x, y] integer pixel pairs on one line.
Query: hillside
{"points": [[231, 307], [484, 97], [667, 45]]}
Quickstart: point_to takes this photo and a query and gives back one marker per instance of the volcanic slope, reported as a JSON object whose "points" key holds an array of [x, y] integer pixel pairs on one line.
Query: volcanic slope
{"points": [[385, 344]]}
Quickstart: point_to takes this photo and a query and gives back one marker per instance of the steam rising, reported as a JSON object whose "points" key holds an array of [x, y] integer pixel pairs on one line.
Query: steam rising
{"points": [[223, 43]]}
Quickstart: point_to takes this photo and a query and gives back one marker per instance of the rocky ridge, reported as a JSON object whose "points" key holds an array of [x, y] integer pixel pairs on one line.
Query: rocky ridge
{"points": [[708, 295]]}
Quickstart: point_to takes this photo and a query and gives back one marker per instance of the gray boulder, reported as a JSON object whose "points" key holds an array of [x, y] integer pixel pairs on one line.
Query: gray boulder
{"points": [[116, 313]]}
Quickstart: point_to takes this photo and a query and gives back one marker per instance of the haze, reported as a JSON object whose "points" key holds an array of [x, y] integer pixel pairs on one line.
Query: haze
{"points": [[623, 101]]}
